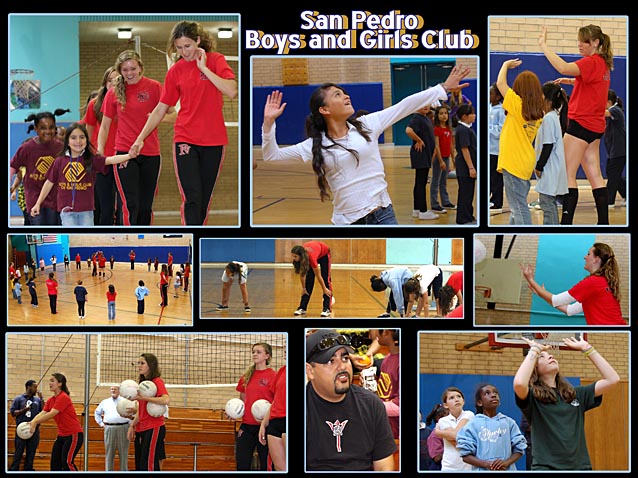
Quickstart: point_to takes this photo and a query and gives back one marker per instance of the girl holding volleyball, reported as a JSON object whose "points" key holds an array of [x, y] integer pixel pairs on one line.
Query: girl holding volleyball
{"points": [[255, 384], [70, 436], [146, 431]]}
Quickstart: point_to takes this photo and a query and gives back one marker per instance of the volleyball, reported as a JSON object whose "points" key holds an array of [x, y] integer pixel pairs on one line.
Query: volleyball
{"points": [[128, 389], [125, 407], [147, 388], [155, 409], [480, 252], [24, 430], [234, 408], [259, 409]]}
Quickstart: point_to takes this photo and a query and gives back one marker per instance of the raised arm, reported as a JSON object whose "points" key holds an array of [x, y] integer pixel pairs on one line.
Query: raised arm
{"points": [[227, 86], [273, 109], [501, 79], [556, 61], [524, 372], [609, 376]]}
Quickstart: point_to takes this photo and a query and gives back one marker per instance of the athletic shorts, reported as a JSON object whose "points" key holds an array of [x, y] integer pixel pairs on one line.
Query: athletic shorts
{"points": [[434, 289], [578, 131], [227, 278], [276, 427]]}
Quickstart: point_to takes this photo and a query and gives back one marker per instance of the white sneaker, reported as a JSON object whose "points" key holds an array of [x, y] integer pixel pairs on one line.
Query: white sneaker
{"points": [[415, 213], [611, 206], [325, 313], [428, 215], [300, 311]]}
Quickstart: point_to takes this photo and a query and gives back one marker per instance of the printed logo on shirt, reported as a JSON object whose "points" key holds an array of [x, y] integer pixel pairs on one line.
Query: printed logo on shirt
{"points": [[575, 403], [143, 96], [183, 149], [202, 76], [42, 165], [74, 172], [337, 431]]}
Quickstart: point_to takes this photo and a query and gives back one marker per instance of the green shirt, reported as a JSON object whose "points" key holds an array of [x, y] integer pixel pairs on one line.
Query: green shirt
{"points": [[558, 430]]}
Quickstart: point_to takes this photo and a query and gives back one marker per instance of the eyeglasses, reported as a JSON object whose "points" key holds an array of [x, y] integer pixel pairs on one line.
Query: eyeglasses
{"points": [[329, 342]]}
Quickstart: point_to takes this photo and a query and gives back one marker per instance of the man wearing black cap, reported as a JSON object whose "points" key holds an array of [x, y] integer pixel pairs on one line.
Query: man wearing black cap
{"points": [[346, 426], [24, 408]]}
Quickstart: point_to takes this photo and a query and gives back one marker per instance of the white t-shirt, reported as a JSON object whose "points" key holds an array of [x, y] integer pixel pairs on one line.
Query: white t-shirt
{"points": [[427, 273], [452, 460]]}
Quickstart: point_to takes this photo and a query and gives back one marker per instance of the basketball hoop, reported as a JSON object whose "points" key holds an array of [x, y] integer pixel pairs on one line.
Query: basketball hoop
{"points": [[24, 90], [483, 291]]}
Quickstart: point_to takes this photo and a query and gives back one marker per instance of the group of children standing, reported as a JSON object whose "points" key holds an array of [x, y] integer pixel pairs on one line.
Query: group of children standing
{"points": [[442, 135]]}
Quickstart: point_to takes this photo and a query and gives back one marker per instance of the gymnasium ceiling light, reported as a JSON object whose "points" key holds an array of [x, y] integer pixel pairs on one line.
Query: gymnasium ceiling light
{"points": [[225, 33], [124, 33]]}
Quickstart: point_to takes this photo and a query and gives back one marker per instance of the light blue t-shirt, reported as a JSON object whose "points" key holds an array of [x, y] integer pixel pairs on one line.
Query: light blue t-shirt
{"points": [[496, 120], [395, 278], [553, 180], [490, 439]]}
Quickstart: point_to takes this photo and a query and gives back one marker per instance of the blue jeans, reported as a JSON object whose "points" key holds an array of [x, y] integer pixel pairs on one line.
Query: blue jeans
{"points": [[84, 218], [383, 215], [439, 184], [516, 190], [111, 308], [550, 211], [47, 217]]}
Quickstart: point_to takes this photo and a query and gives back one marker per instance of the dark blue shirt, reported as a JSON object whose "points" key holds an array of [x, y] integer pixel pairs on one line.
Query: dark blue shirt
{"points": [[22, 401]]}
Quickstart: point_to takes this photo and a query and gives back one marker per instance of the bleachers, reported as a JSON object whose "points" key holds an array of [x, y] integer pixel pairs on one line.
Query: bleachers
{"points": [[196, 440]]}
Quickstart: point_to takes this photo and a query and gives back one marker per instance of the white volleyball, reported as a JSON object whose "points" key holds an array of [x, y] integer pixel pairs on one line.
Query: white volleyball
{"points": [[24, 430], [480, 252], [259, 409], [128, 389], [234, 408], [155, 409], [125, 407], [147, 388]]}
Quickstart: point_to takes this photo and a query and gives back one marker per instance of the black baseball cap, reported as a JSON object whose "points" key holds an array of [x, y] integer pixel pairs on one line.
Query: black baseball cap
{"points": [[321, 345]]}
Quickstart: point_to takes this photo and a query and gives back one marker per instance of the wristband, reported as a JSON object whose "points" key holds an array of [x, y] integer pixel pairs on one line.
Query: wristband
{"points": [[589, 351]]}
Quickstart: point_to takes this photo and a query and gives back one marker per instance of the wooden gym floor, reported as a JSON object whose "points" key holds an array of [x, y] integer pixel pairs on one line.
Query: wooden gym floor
{"points": [[274, 292], [178, 312], [285, 193]]}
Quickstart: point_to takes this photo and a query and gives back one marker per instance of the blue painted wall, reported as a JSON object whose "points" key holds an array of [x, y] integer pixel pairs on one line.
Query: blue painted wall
{"points": [[244, 250], [431, 387], [545, 71], [290, 125]]}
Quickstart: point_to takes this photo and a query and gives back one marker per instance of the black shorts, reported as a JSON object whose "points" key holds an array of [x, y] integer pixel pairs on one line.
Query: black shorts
{"points": [[575, 129], [434, 289], [276, 427]]}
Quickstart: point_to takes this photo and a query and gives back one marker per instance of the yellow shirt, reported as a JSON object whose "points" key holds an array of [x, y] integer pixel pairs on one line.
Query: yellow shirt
{"points": [[516, 150]]}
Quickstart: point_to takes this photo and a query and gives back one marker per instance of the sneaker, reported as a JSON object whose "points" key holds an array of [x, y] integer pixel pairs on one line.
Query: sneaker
{"points": [[439, 210], [385, 315], [428, 215], [495, 210], [534, 205], [325, 313], [415, 212], [449, 206], [300, 311], [247, 309], [221, 307], [611, 206]]}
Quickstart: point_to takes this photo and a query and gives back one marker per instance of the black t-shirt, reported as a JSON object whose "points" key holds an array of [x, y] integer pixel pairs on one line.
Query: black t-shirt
{"points": [[348, 435]]}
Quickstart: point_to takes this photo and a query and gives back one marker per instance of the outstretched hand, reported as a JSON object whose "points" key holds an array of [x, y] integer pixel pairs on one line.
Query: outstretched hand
{"points": [[527, 271], [533, 343], [542, 39], [456, 75], [274, 107], [576, 344]]}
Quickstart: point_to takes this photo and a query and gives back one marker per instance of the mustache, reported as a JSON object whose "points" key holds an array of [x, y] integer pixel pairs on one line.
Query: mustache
{"points": [[347, 374]]}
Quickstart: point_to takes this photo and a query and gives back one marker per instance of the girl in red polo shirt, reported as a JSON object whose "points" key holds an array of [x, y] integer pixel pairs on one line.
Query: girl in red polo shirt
{"points": [[597, 295], [104, 182], [147, 431], [198, 79], [131, 100], [254, 385], [590, 76], [70, 436], [313, 260], [164, 279], [273, 426], [52, 291]]}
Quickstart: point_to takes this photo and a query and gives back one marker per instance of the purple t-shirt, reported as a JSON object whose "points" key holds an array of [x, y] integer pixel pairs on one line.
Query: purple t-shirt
{"points": [[37, 158], [74, 183]]}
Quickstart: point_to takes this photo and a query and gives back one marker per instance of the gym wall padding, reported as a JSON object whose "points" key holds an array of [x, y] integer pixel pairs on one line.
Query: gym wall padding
{"points": [[290, 125], [120, 254], [537, 63], [559, 266], [243, 250], [431, 387]]}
